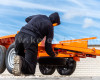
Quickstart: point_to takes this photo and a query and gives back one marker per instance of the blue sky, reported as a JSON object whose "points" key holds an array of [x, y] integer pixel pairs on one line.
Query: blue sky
{"points": [[79, 18]]}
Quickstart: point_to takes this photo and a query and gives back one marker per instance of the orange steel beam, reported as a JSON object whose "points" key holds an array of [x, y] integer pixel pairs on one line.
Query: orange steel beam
{"points": [[7, 36], [84, 39], [79, 49]]}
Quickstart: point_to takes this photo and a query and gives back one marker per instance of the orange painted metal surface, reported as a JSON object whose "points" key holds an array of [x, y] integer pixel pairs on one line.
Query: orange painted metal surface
{"points": [[70, 48], [84, 39], [7, 40]]}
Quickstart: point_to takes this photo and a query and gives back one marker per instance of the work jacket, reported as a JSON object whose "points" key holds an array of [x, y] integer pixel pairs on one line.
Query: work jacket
{"points": [[39, 26]]}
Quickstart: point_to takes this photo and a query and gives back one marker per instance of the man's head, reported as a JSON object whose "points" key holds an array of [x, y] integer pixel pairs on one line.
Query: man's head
{"points": [[55, 19]]}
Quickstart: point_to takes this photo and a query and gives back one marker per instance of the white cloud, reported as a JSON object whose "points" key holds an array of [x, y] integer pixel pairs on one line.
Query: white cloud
{"points": [[78, 3], [85, 10], [88, 23], [24, 4], [78, 12], [8, 26], [69, 11], [13, 12], [18, 22], [4, 31]]}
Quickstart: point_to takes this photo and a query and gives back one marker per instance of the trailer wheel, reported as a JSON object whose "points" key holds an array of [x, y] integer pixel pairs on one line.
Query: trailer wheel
{"points": [[67, 69], [10, 57], [2, 59], [47, 69]]}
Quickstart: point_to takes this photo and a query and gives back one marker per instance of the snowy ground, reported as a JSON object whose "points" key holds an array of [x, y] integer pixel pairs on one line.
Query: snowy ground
{"points": [[38, 76]]}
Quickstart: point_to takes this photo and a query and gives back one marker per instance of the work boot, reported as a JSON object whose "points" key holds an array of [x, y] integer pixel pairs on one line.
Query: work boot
{"points": [[17, 66]]}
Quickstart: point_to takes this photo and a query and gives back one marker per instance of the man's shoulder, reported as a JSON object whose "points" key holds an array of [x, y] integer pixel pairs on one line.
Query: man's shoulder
{"points": [[40, 15], [42, 19], [45, 19]]}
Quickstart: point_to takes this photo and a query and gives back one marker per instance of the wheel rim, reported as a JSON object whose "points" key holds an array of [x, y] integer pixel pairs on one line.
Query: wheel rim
{"points": [[46, 69], [63, 69], [11, 58]]}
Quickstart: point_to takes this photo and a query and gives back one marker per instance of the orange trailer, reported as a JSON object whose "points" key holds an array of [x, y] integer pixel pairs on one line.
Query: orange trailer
{"points": [[69, 52]]}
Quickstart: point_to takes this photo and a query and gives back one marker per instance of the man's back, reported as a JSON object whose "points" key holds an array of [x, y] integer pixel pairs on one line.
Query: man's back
{"points": [[38, 26]]}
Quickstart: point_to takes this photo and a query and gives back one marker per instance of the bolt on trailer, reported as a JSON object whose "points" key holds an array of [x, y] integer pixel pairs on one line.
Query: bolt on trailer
{"points": [[69, 52]]}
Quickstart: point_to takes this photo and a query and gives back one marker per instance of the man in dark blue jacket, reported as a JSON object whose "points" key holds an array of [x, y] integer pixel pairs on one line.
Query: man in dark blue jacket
{"points": [[26, 42]]}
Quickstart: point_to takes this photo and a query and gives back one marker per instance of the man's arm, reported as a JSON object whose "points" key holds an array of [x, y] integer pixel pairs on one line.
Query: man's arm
{"points": [[48, 42]]}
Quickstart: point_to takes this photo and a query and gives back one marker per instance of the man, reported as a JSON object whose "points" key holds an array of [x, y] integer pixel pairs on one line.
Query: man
{"points": [[26, 42]]}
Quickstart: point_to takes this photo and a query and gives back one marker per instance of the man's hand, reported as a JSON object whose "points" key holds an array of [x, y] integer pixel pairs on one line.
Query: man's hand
{"points": [[56, 54]]}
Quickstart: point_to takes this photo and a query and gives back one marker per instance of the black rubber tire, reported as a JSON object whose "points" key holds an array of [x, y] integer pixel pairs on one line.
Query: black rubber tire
{"points": [[2, 59], [46, 70], [68, 69], [52, 61], [10, 56]]}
